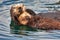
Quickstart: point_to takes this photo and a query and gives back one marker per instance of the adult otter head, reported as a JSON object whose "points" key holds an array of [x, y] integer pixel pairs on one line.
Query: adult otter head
{"points": [[20, 14], [17, 9]]}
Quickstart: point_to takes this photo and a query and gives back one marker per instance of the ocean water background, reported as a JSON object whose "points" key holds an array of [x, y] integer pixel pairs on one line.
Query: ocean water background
{"points": [[37, 6]]}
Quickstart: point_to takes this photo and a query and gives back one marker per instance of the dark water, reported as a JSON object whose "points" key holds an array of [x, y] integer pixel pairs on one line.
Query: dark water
{"points": [[35, 5]]}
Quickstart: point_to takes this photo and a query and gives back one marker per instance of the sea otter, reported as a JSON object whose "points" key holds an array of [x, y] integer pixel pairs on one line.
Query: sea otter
{"points": [[21, 15]]}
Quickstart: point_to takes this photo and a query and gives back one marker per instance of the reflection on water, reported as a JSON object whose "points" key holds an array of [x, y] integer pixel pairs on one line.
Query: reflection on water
{"points": [[36, 6]]}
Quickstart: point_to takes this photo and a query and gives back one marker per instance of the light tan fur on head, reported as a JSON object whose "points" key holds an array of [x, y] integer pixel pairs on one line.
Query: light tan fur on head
{"points": [[16, 6]]}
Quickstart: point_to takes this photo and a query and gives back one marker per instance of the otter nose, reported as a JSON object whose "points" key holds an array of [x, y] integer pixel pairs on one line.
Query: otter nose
{"points": [[20, 9]]}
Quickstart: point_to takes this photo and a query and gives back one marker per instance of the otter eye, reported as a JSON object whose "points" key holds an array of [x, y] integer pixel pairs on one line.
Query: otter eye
{"points": [[20, 10]]}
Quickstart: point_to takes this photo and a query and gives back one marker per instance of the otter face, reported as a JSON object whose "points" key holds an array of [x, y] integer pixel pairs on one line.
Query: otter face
{"points": [[24, 18], [18, 9]]}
